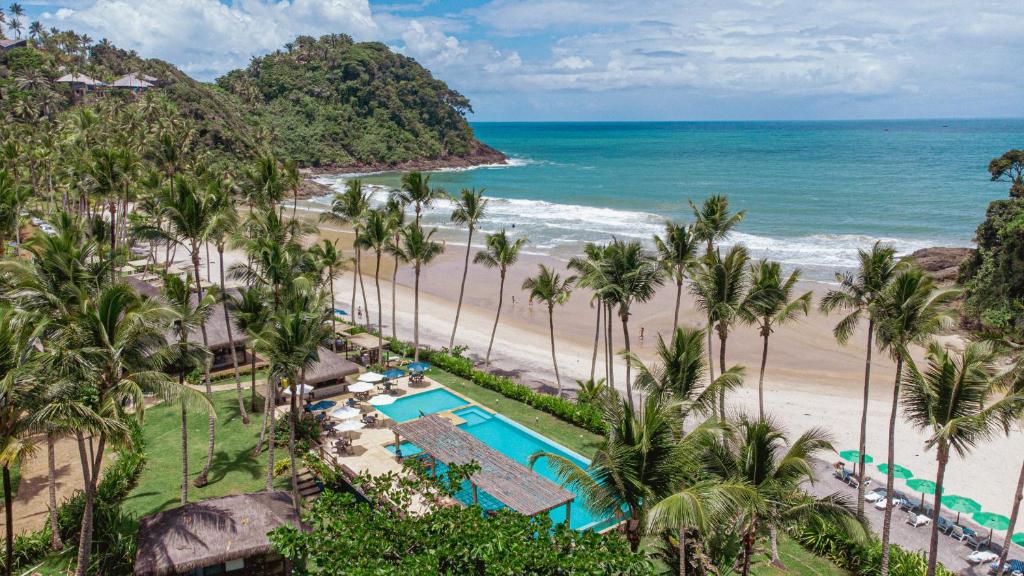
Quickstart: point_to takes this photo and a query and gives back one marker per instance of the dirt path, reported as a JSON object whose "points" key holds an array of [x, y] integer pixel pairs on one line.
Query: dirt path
{"points": [[31, 505]]}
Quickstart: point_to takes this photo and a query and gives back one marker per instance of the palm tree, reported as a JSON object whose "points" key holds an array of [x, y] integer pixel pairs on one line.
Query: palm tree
{"points": [[349, 208], [292, 181], [720, 290], [909, 311], [550, 288], [419, 248], [329, 257], [712, 222], [758, 454], [15, 399], [768, 304], [677, 251], [251, 313], [12, 196], [857, 294], [632, 276], [502, 253], [397, 213], [590, 269], [1015, 381], [952, 401], [416, 192], [469, 210], [187, 315], [375, 235]]}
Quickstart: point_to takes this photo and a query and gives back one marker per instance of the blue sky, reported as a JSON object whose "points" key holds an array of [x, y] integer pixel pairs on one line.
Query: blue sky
{"points": [[619, 59]]}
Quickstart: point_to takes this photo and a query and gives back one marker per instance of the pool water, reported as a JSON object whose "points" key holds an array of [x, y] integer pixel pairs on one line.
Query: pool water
{"points": [[416, 405], [518, 443]]}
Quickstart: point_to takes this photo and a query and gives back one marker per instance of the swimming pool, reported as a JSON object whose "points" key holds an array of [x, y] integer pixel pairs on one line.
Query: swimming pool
{"points": [[415, 405], [519, 443]]}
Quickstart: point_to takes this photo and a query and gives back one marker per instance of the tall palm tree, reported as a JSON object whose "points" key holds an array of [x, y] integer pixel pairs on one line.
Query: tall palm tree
{"points": [[329, 257], [416, 192], [857, 293], [550, 288], [293, 182], [632, 276], [187, 314], [502, 252], [251, 313], [758, 454], [770, 303], [952, 401], [15, 401], [677, 253], [720, 290], [419, 249], [909, 311], [12, 196], [375, 235], [469, 210], [591, 272], [349, 208], [397, 212], [110, 173]]}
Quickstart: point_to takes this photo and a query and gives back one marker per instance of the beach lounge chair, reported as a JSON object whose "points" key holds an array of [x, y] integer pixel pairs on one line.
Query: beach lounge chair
{"points": [[1012, 567], [981, 557], [945, 526], [957, 533], [917, 520], [971, 539], [875, 495]]}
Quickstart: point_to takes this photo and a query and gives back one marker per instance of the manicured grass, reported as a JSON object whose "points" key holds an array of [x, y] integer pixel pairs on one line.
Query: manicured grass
{"points": [[234, 469], [797, 560], [572, 437]]}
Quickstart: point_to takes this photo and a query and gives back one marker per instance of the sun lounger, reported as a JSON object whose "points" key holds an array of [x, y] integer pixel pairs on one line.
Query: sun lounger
{"points": [[981, 557], [957, 533], [945, 526], [917, 520], [971, 539], [1012, 567]]}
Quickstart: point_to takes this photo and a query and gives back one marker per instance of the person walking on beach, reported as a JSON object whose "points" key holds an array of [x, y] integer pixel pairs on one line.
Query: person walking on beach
{"points": [[359, 313], [641, 334]]}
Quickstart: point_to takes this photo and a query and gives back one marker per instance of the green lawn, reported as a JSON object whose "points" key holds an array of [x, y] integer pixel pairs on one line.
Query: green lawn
{"points": [[234, 469], [566, 434], [798, 562]]}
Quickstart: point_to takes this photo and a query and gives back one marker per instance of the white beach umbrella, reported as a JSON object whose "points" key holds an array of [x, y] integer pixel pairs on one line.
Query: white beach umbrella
{"points": [[303, 390], [382, 400], [359, 387], [349, 426], [345, 413], [370, 377]]}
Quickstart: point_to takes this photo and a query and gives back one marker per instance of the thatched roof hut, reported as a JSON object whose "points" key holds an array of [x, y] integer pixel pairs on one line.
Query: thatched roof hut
{"points": [[330, 369], [132, 81], [218, 531]]}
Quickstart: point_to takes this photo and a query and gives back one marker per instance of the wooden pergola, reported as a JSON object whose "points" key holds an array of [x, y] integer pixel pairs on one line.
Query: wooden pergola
{"points": [[508, 481]]}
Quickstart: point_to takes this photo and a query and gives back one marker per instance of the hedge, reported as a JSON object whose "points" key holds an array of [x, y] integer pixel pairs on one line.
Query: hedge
{"points": [[582, 415]]}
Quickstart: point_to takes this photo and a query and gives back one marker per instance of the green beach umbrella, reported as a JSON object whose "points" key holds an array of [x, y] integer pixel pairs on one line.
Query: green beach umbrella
{"points": [[923, 486], [854, 456], [960, 504], [897, 471], [1018, 538], [991, 521]]}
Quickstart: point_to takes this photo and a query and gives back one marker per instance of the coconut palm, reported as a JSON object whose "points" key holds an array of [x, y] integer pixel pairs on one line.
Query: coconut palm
{"points": [[952, 401], [1014, 379], [329, 257], [681, 374], [416, 192], [590, 269], [15, 399], [187, 313], [720, 290], [251, 313], [632, 276], [375, 235], [419, 249], [349, 208], [502, 252], [676, 252], [109, 173], [856, 295], [550, 288], [909, 311], [292, 181], [397, 213], [770, 303], [469, 210], [12, 197], [758, 453]]}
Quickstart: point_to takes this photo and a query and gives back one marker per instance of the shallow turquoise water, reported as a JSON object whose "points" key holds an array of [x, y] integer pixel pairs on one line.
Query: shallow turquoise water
{"points": [[813, 191], [415, 405]]}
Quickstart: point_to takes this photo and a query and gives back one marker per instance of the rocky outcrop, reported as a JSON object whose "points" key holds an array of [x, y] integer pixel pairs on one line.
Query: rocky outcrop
{"points": [[942, 263]]}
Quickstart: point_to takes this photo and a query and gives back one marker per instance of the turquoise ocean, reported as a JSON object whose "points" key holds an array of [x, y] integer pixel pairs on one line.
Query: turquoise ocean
{"points": [[813, 192]]}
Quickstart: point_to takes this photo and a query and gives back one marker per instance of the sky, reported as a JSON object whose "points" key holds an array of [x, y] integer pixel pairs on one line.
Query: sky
{"points": [[575, 60]]}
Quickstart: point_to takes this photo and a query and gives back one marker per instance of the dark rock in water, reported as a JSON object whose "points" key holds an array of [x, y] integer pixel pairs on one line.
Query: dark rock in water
{"points": [[942, 263]]}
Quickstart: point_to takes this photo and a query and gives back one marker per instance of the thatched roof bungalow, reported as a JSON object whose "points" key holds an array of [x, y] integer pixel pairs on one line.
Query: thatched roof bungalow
{"points": [[10, 44], [218, 536], [134, 82]]}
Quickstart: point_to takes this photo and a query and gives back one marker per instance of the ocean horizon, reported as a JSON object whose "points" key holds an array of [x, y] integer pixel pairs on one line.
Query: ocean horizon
{"points": [[813, 191]]}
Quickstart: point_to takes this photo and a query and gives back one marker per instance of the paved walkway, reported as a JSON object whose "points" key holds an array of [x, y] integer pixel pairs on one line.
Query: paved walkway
{"points": [[952, 554]]}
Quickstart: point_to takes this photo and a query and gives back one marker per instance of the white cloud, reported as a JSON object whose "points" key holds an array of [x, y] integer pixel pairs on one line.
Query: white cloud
{"points": [[573, 63]]}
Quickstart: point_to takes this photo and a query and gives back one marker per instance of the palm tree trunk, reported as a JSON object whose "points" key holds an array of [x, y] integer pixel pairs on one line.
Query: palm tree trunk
{"points": [[267, 407], [497, 315], [85, 533], [51, 464], [380, 307], [362, 289], [933, 543], [200, 480], [272, 403], [462, 289], [891, 457], [394, 301], [1017, 497], [597, 337], [8, 522], [679, 297], [231, 336], [722, 336], [554, 359], [610, 345], [293, 416], [252, 381], [334, 317], [184, 453], [711, 354], [416, 317], [773, 537], [625, 335], [355, 291], [760, 380], [682, 551], [862, 446]]}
